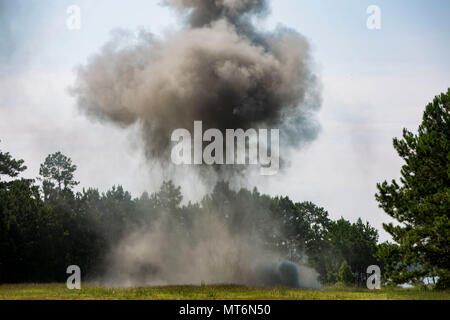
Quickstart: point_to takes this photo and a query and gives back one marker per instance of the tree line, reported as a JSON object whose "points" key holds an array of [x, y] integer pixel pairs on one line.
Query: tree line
{"points": [[46, 226]]}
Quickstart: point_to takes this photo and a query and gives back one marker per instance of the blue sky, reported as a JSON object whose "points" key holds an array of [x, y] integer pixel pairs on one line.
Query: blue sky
{"points": [[413, 31], [375, 82]]}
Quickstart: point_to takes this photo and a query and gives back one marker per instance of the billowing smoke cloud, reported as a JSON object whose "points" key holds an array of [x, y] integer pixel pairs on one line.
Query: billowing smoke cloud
{"points": [[221, 70], [205, 251], [218, 69], [203, 13]]}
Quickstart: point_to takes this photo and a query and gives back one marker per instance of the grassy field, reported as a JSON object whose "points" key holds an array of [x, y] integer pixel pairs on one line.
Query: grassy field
{"points": [[88, 292]]}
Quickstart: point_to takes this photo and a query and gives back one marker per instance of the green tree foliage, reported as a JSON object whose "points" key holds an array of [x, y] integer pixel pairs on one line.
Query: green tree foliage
{"points": [[352, 243], [9, 166], [58, 170], [41, 235], [345, 274], [26, 235], [25, 226], [169, 196], [420, 202]]}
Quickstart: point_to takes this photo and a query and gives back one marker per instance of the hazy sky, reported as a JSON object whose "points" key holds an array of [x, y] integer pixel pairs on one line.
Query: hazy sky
{"points": [[375, 83]]}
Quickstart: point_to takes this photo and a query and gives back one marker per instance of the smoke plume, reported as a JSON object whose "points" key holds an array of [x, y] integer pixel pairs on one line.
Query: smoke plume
{"points": [[218, 69], [209, 249], [223, 71]]}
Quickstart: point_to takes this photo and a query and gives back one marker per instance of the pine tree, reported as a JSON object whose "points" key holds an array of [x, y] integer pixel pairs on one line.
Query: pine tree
{"points": [[58, 170], [421, 201], [10, 166], [345, 274]]}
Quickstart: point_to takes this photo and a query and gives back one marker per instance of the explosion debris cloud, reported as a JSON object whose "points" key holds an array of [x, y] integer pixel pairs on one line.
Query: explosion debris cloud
{"points": [[203, 12], [216, 245], [218, 69]]}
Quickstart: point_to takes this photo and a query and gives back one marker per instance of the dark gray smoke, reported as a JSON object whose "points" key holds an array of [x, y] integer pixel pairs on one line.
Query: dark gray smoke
{"points": [[285, 274], [221, 70], [218, 69], [170, 253], [204, 12]]}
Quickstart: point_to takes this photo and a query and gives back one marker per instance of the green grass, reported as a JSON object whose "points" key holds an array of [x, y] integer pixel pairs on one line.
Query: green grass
{"points": [[90, 291]]}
